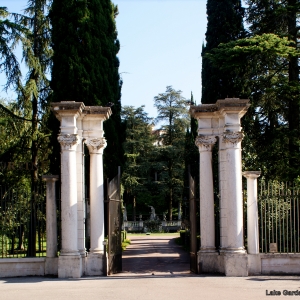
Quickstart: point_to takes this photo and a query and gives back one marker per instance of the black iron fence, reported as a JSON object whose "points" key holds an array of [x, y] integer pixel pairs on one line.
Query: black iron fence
{"points": [[20, 211], [279, 222]]}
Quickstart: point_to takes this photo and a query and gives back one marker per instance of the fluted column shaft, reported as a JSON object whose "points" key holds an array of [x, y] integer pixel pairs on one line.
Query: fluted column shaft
{"points": [[235, 236], [69, 241], [96, 147], [207, 217]]}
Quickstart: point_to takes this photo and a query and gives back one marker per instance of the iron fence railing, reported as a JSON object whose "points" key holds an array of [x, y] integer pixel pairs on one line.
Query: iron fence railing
{"points": [[279, 223], [16, 218]]}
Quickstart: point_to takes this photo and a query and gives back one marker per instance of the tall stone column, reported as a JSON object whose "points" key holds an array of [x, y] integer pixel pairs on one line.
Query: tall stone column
{"points": [[80, 192], [69, 262], [252, 212], [223, 195], [93, 135], [207, 216], [96, 147], [235, 256], [235, 236], [51, 225]]}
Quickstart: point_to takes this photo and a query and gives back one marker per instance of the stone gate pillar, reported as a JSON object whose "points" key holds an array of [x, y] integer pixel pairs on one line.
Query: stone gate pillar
{"points": [[70, 261], [223, 120], [93, 134]]}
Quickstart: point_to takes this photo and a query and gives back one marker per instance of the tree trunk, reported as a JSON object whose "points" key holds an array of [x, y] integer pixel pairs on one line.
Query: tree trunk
{"points": [[170, 204]]}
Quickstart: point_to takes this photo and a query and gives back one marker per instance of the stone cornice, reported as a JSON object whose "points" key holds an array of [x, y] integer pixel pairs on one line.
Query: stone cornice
{"points": [[96, 111], [251, 174], [224, 105], [67, 108]]}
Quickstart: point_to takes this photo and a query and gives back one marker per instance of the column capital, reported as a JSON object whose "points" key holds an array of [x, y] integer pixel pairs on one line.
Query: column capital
{"points": [[233, 137], [68, 141], [96, 145], [251, 174], [205, 142]]}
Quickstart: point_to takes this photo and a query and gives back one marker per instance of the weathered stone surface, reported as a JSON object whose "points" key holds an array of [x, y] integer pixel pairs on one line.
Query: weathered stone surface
{"points": [[210, 263], [14, 267], [235, 265], [70, 266], [94, 264]]}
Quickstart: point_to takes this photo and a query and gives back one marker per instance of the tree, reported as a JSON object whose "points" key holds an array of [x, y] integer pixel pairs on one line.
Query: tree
{"points": [[85, 65], [282, 18], [33, 96], [10, 33], [138, 148], [224, 24], [32, 30], [171, 107]]}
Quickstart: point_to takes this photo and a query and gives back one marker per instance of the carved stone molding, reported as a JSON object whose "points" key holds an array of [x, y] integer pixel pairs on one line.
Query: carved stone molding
{"points": [[67, 141], [206, 141], [233, 137], [96, 145]]}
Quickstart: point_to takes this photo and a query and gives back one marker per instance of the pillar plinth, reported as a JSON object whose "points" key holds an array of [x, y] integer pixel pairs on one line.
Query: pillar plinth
{"points": [[235, 235], [252, 212], [207, 219]]}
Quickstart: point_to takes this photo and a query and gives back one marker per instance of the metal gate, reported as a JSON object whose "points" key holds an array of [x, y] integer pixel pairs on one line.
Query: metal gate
{"points": [[114, 225], [193, 226]]}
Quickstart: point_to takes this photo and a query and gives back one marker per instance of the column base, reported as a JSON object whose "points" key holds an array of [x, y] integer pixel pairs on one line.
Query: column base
{"points": [[235, 264], [233, 250], [51, 266], [95, 264], [70, 266], [209, 262], [207, 249]]}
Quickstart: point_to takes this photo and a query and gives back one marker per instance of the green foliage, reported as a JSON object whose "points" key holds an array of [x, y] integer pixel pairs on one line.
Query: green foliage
{"points": [[153, 225], [172, 110], [85, 64], [10, 34], [125, 243], [138, 150], [225, 24]]}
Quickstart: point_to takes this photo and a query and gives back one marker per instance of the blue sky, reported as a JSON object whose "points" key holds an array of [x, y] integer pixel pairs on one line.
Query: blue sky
{"points": [[161, 43]]}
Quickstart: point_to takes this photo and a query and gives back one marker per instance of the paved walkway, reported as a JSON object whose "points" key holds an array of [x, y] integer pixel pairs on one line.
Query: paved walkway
{"points": [[170, 280], [155, 255]]}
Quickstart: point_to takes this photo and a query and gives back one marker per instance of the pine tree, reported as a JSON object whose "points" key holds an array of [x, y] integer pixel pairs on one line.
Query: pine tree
{"points": [[171, 107], [10, 33], [138, 148], [225, 23], [33, 96], [85, 65]]}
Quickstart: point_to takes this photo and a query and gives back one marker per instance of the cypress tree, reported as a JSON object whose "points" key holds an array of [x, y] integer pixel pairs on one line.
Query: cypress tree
{"points": [[85, 65], [225, 23]]}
